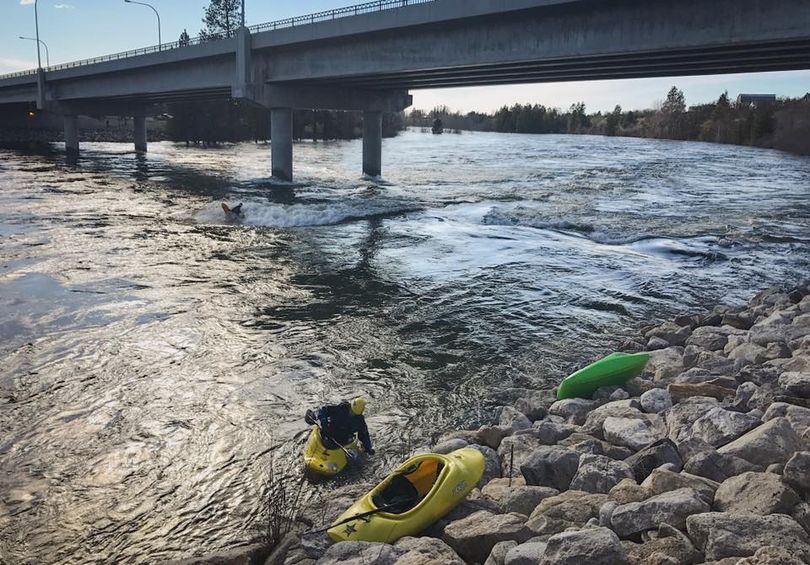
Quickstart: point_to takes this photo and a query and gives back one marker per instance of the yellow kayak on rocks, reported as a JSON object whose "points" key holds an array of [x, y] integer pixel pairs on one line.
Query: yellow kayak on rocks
{"points": [[324, 462], [419, 492]]}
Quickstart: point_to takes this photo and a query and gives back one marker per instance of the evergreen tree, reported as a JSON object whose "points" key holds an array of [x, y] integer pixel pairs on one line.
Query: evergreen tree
{"points": [[222, 19]]}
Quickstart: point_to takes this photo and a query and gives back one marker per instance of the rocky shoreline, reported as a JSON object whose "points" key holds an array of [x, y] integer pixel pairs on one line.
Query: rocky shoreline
{"points": [[704, 458]]}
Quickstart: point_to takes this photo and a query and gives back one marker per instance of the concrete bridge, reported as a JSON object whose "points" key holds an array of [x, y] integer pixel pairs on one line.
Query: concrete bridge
{"points": [[368, 57]]}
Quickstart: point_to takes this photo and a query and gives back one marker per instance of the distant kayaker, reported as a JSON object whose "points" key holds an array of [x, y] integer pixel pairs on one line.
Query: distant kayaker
{"points": [[235, 212], [341, 421]]}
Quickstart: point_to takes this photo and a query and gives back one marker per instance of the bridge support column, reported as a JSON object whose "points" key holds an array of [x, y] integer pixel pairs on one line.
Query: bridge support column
{"points": [[140, 133], [71, 136], [281, 142], [372, 143]]}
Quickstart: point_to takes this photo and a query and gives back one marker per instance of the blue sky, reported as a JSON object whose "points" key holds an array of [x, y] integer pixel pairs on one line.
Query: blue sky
{"points": [[78, 29]]}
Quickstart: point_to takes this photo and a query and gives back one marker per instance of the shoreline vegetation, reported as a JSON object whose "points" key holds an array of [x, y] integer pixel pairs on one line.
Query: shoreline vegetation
{"points": [[782, 124], [704, 458]]}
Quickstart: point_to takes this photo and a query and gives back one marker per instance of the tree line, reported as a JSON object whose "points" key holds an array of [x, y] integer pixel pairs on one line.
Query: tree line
{"points": [[783, 124]]}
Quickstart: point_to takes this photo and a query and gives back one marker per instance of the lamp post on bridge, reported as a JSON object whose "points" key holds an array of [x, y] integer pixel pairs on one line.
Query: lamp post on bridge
{"points": [[160, 41], [47, 53], [36, 25]]}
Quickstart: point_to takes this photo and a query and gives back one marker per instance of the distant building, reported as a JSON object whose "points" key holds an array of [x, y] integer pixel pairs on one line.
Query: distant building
{"points": [[756, 99]]}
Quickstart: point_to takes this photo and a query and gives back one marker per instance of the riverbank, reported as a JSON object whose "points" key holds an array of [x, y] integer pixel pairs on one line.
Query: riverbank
{"points": [[702, 459]]}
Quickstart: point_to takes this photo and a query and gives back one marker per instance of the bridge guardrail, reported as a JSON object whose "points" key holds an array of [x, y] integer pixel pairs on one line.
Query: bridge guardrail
{"points": [[337, 13]]}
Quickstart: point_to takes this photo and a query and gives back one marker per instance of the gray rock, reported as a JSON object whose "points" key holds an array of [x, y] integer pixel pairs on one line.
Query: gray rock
{"points": [[628, 491], [670, 507], [748, 354], [491, 436], [574, 410], [573, 507], [529, 553], [720, 535], [550, 433], [659, 453], [424, 551], [755, 493], [680, 417], [669, 546], [770, 555], [449, 446], [717, 466], [633, 433], [656, 343], [709, 338], [801, 513], [514, 418], [719, 427], [518, 498], [669, 333], [797, 384], [360, 553], [551, 466], [606, 512], [744, 394], [604, 393], [665, 363], [492, 464], [597, 473], [775, 468], [592, 546], [499, 551], [797, 472], [774, 328], [656, 400], [619, 394], [662, 480], [585, 444], [498, 489], [773, 442], [621, 409], [531, 408], [519, 446], [474, 537]]}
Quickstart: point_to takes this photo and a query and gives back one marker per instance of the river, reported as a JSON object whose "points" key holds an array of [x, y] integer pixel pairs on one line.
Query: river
{"points": [[156, 360]]}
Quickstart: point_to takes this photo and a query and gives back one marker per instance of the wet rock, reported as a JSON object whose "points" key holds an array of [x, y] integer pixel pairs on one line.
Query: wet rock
{"points": [[551, 466], [597, 473], [716, 466], [662, 480], [659, 453], [682, 391], [550, 433], [665, 363], [529, 553], [797, 384], [719, 427], [450, 445], [594, 546], [773, 442], [519, 446], [574, 410], [719, 535], [499, 551], [670, 508], [628, 491], [755, 493], [474, 536], [514, 418], [655, 401], [633, 433], [797, 472], [491, 436], [669, 546]]}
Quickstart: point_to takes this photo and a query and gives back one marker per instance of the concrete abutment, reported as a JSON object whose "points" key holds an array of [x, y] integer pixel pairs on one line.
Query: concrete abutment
{"points": [[372, 143], [140, 133], [281, 143], [71, 136]]}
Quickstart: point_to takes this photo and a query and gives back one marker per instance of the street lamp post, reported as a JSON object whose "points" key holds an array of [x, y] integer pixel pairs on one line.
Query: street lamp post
{"points": [[243, 13], [45, 45], [36, 24], [160, 41]]}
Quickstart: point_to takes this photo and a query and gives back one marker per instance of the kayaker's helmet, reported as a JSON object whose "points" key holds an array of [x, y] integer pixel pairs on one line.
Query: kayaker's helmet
{"points": [[358, 405]]}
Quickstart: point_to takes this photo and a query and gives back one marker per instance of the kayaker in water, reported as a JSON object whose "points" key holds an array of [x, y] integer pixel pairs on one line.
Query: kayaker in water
{"points": [[341, 421], [235, 212]]}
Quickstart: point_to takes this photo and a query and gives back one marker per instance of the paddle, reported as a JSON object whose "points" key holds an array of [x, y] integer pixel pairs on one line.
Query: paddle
{"points": [[360, 516], [310, 419]]}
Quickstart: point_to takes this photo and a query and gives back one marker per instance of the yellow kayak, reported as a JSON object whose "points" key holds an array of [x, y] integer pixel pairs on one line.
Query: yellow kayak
{"points": [[419, 492], [322, 461]]}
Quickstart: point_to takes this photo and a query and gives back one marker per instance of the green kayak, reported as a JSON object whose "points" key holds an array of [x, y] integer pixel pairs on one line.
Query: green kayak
{"points": [[615, 369]]}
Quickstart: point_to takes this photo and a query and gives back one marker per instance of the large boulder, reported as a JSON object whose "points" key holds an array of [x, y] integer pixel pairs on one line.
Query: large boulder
{"points": [[573, 410], [682, 391], [551, 466], [518, 498], [670, 333], [797, 472], [620, 408], [655, 401], [720, 535], [573, 507], [773, 442], [514, 418], [597, 473], [499, 552], [633, 433], [627, 491], [749, 354], [662, 480], [668, 508], [585, 444], [717, 466], [772, 555], [492, 464], [360, 553], [473, 537], [425, 551], [755, 493], [529, 553], [796, 384], [661, 452], [670, 546], [719, 427], [594, 546], [681, 416], [711, 338], [514, 451], [797, 416], [550, 433], [665, 363], [492, 436]]}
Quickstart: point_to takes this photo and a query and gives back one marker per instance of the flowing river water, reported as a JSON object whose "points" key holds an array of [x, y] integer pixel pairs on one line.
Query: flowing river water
{"points": [[156, 360]]}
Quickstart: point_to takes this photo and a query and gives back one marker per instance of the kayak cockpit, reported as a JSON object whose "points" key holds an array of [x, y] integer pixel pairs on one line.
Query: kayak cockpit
{"points": [[405, 489]]}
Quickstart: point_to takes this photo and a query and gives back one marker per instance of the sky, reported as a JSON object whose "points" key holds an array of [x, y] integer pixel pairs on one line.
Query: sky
{"points": [[80, 29]]}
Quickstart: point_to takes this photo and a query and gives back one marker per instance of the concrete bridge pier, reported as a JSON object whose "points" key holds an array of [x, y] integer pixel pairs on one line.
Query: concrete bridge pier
{"points": [[140, 133], [372, 143], [281, 142], [71, 136]]}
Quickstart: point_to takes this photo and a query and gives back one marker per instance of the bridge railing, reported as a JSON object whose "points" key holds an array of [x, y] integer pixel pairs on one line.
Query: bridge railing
{"points": [[337, 13]]}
